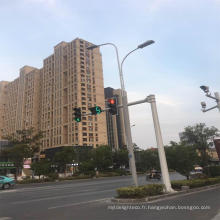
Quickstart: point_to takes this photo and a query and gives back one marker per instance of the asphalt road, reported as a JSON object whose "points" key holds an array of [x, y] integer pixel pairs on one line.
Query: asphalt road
{"points": [[88, 199]]}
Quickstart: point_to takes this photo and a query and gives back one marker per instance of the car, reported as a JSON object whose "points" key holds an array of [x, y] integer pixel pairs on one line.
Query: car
{"points": [[154, 174], [6, 182]]}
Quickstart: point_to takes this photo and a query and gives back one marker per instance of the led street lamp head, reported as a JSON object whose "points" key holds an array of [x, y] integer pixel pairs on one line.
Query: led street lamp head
{"points": [[92, 47], [205, 89], [145, 44]]}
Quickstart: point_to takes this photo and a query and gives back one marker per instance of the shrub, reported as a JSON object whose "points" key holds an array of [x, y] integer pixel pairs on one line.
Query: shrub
{"points": [[27, 181], [194, 183], [140, 191], [53, 176], [212, 171]]}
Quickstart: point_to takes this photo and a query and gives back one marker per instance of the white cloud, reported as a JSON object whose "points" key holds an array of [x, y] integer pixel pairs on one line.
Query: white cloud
{"points": [[48, 3], [158, 4], [55, 8]]}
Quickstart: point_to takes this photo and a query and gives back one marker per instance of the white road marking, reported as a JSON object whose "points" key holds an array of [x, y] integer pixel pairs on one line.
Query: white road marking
{"points": [[8, 191], [78, 203], [176, 195], [5, 218], [61, 197], [217, 217]]}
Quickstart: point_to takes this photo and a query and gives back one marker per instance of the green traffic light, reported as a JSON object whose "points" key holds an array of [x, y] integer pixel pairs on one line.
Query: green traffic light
{"points": [[98, 110], [77, 119]]}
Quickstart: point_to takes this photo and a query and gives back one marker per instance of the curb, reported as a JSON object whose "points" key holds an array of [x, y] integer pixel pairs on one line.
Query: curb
{"points": [[167, 195]]}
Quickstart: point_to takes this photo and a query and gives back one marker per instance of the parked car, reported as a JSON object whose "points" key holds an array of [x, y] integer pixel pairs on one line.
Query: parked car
{"points": [[154, 174], [6, 182], [10, 175]]}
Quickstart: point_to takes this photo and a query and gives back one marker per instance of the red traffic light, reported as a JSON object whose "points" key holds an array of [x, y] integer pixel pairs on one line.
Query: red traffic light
{"points": [[111, 101]]}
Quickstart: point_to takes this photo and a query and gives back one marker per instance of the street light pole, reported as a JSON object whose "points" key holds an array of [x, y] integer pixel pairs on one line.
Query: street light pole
{"points": [[125, 107]]}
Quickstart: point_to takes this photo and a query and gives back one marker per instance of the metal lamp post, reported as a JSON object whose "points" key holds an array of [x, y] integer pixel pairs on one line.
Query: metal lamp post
{"points": [[125, 107]]}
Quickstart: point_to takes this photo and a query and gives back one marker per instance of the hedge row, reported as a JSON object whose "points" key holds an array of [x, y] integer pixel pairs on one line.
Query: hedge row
{"points": [[53, 177], [212, 171], [193, 183], [140, 191]]}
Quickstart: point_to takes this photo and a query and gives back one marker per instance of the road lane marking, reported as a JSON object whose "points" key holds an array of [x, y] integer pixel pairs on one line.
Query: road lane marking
{"points": [[8, 191], [217, 217], [176, 195], [78, 203], [70, 185], [5, 218], [60, 197]]}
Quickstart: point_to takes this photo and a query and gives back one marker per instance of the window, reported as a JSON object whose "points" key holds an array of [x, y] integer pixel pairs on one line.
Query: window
{"points": [[84, 139]]}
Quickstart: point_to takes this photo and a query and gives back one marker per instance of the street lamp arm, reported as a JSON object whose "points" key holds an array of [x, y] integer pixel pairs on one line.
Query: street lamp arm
{"points": [[127, 56], [205, 110], [212, 97]]}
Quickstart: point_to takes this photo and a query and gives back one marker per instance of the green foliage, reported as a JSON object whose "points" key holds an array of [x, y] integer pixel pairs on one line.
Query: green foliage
{"points": [[23, 144], [201, 138], [102, 157], [83, 153], [147, 160], [140, 191], [53, 176], [41, 167], [63, 157], [87, 166], [194, 183], [182, 158], [212, 171], [120, 159]]}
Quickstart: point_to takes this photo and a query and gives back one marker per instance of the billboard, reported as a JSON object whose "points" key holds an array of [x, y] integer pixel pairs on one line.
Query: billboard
{"points": [[27, 163], [217, 147]]}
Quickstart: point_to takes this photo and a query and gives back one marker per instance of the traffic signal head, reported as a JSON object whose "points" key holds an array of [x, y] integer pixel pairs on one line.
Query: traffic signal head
{"points": [[95, 110], [77, 114], [111, 103]]}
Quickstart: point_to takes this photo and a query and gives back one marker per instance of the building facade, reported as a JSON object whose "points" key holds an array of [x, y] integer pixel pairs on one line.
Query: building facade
{"points": [[44, 98], [115, 123]]}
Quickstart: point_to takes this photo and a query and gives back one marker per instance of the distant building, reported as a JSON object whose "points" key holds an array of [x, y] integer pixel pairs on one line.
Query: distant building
{"points": [[115, 123], [45, 98], [3, 144]]}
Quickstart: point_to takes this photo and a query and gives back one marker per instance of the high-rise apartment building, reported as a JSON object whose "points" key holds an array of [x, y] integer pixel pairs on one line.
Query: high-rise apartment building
{"points": [[115, 123], [44, 98], [2, 104]]}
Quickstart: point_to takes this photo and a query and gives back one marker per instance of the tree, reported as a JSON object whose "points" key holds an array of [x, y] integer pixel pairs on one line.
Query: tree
{"points": [[41, 167], [83, 153], [120, 159], [22, 144], [148, 159], [63, 157], [182, 158], [102, 157], [87, 166], [201, 137]]}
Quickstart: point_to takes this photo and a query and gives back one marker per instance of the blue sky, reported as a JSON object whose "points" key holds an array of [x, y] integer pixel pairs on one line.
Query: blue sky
{"points": [[186, 53]]}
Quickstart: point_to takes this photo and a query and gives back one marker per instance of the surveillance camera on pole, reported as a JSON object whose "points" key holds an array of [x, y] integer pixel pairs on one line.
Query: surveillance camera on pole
{"points": [[205, 89], [208, 94], [203, 104]]}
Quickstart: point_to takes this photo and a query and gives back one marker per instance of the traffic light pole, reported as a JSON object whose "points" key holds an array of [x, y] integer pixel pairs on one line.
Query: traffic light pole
{"points": [[163, 163], [162, 156]]}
